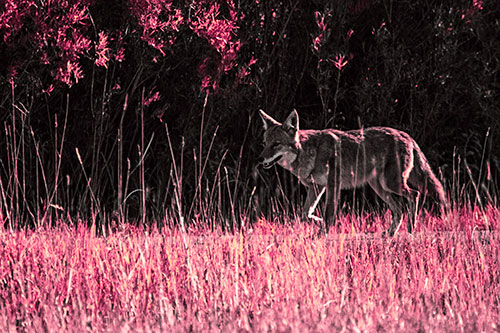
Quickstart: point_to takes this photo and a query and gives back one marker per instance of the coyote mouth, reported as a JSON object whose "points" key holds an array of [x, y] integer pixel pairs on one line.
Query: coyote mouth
{"points": [[269, 164]]}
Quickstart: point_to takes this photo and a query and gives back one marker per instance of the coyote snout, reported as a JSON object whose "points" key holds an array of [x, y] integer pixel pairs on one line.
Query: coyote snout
{"points": [[268, 161], [386, 159]]}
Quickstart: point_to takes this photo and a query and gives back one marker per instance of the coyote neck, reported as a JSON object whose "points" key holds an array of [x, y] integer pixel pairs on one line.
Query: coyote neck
{"points": [[302, 162], [289, 161]]}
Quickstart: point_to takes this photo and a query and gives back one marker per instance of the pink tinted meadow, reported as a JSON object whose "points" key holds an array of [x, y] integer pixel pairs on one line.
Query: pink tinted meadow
{"points": [[271, 276]]}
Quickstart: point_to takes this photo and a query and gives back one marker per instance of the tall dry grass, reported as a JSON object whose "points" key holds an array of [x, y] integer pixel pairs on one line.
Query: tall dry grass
{"points": [[270, 276]]}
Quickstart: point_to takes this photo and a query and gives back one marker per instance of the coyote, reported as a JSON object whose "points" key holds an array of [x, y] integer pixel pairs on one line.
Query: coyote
{"points": [[389, 160]]}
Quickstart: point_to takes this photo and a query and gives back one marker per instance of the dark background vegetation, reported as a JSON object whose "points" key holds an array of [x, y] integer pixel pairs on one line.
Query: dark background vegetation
{"points": [[88, 88]]}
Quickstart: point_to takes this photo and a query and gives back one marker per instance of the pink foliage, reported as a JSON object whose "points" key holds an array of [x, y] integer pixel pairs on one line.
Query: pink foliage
{"points": [[70, 73], [152, 97], [102, 50], [11, 18], [219, 33], [322, 31], [244, 71], [469, 13], [477, 4], [349, 34], [159, 21], [339, 62], [58, 33]]}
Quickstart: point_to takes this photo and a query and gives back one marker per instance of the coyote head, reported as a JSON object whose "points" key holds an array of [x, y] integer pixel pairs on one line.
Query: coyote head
{"points": [[280, 140]]}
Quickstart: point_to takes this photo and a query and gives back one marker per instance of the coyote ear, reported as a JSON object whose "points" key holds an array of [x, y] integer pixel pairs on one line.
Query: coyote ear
{"points": [[268, 120], [292, 122]]}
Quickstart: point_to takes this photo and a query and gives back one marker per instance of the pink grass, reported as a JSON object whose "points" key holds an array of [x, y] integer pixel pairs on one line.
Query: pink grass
{"points": [[271, 276]]}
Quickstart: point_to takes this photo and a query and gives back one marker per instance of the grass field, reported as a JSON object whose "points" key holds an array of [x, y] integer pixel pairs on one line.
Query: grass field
{"points": [[272, 276]]}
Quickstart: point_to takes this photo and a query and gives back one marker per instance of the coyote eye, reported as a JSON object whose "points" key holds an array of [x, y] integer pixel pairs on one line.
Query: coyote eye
{"points": [[275, 145]]}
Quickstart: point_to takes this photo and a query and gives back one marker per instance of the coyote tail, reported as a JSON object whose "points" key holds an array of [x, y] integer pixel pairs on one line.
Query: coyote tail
{"points": [[433, 186]]}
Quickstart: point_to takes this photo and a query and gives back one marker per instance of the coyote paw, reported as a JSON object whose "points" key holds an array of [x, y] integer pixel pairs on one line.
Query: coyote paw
{"points": [[315, 218], [309, 214]]}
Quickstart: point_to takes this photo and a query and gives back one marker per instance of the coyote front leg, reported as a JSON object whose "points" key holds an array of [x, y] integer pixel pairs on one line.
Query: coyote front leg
{"points": [[333, 190], [312, 201], [332, 199]]}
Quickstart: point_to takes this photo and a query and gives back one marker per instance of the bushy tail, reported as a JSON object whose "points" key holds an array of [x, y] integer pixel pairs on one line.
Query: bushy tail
{"points": [[433, 187]]}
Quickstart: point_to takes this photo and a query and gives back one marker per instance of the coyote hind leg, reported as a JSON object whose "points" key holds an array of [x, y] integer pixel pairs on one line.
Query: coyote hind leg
{"points": [[413, 203], [394, 203], [395, 199]]}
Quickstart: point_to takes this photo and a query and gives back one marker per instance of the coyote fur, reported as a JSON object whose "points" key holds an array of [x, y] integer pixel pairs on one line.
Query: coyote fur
{"points": [[387, 159]]}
